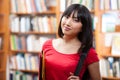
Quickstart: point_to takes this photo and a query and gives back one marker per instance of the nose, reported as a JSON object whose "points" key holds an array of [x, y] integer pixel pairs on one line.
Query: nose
{"points": [[68, 21]]}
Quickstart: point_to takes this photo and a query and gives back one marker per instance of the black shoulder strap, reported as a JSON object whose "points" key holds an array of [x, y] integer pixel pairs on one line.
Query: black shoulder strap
{"points": [[80, 63]]}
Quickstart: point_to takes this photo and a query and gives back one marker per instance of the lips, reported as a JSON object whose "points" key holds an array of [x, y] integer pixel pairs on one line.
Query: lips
{"points": [[67, 28]]}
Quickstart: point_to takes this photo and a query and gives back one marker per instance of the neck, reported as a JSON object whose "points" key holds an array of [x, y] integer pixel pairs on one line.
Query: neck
{"points": [[69, 39]]}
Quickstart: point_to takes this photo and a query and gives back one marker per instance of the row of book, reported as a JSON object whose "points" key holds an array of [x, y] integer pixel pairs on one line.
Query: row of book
{"points": [[45, 24], [1, 42], [110, 67], [110, 4], [27, 61], [17, 75], [28, 6], [29, 42], [88, 3], [113, 40], [109, 21]]}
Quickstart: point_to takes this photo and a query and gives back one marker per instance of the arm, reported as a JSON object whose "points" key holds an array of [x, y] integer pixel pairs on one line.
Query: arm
{"points": [[94, 71]]}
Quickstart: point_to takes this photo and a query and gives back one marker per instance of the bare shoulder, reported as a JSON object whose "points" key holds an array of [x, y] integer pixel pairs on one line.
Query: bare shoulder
{"points": [[56, 41]]}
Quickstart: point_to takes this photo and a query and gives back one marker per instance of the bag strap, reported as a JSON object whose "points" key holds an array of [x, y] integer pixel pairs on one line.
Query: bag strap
{"points": [[42, 66], [80, 63]]}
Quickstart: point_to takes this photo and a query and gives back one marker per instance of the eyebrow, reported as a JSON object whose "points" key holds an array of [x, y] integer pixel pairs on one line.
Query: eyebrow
{"points": [[75, 17]]}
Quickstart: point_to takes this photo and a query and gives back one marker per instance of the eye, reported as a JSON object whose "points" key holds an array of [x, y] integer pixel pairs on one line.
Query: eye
{"points": [[66, 16], [76, 20]]}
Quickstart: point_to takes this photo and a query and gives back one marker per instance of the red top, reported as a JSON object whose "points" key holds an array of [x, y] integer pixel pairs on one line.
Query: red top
{"points": [[58, 65]]}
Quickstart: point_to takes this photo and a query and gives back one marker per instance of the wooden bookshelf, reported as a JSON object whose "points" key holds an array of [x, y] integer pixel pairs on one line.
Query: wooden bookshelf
{"points": [[36, 33], [27, 71], [102, 49], [32, 19], [4, 22], [110, 78], [22, 51], [1, 70], [6, 10], [36, 13], [5, 31]]}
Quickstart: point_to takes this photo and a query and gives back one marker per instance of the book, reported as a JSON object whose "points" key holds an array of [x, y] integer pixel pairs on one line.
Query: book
{"points": [[116, 69], [116, 45], [108, 22]]}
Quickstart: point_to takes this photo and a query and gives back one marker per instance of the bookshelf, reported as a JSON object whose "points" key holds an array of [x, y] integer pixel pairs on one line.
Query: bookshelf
{"points": [[108, 16], [22, 16], [15, 17], [31, 23], [4, 45]]}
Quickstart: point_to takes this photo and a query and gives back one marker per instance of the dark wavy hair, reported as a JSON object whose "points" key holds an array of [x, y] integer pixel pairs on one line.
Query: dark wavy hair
{"points": [[84, 16]]}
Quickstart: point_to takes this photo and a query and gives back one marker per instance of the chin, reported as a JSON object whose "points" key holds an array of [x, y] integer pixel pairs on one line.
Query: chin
{"points": [[67, 34]]}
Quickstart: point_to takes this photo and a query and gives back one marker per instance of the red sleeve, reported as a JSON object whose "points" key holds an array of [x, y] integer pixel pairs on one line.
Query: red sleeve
{"points": [[92, 57], [46, 44]]}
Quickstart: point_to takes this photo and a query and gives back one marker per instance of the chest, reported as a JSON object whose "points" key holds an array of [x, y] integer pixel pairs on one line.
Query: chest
{"points": [[61, 62], [67, 49]]}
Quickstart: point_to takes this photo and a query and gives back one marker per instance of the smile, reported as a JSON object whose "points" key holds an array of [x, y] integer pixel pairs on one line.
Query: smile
{"points": [[67, 28]]}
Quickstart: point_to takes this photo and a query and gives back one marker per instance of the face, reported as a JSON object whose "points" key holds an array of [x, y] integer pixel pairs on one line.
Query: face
{"points": [[70, 25]]}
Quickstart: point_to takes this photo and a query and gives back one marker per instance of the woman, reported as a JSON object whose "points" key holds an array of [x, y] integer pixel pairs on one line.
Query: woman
{"points": [[75, 37]]}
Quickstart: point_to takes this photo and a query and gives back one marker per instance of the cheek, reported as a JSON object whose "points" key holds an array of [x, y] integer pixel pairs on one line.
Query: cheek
{"points": [[78, 28], [62, 21]]}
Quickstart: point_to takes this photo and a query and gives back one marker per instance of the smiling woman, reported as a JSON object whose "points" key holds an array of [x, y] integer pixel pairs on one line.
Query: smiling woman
{"points": [[71, 25], [75, 38]]}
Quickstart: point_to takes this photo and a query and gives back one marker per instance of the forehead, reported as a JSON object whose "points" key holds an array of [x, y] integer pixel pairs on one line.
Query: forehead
{"points": [[74, 14]]}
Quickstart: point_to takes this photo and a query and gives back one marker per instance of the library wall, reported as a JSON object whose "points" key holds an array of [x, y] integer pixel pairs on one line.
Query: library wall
{"points": [[107, 38], [24, 24], [32, 22]]}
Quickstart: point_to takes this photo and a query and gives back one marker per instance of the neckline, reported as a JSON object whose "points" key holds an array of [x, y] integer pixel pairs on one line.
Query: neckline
{"points": [[61, 52]]}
